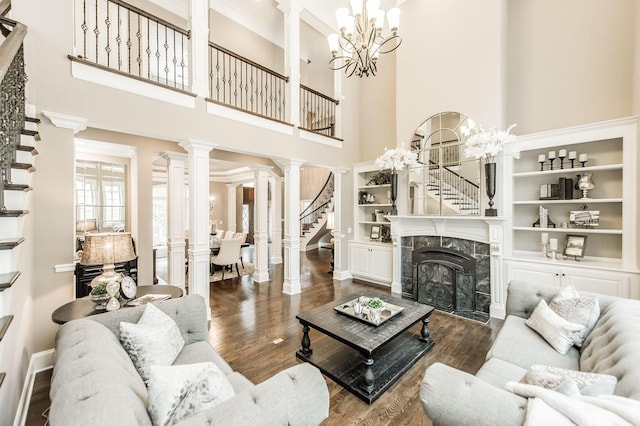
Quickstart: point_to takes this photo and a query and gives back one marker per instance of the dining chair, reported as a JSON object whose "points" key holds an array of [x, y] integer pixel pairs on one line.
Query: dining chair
{"points": [[242, 237], [229, 234], [228, 255]]}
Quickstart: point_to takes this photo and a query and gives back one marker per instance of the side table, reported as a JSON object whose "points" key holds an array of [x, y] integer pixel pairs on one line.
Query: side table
{"points": [[84, 307]]}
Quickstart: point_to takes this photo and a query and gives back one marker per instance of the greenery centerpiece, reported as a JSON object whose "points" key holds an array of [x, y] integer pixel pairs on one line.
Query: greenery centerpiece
{"points": [[99, 295], [375, 303]]}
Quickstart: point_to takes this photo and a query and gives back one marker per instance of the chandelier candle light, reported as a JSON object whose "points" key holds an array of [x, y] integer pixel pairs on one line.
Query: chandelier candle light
{"points": [[360, 42], [396, 159], [487, 144]]}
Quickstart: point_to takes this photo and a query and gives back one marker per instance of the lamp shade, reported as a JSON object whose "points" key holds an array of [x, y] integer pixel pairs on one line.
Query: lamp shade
{"points": [[107, 248]]}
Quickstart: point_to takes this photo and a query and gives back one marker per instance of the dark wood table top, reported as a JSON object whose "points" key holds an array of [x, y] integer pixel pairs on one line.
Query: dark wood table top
{"points": [[84, 307], [361, 335]]}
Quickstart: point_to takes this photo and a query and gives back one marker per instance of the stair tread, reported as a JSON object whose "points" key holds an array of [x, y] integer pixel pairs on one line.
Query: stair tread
{"points": [[27, 148], [23, 166], [9, 243], [17, 187], [7, 279], [4, 325], [32, 120], [13, 213], [33, 133], [2, 376]]}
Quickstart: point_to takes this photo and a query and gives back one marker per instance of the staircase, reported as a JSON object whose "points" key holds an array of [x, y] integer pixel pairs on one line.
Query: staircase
{"points": [[313, 219], [18, 137], [458, 194]]}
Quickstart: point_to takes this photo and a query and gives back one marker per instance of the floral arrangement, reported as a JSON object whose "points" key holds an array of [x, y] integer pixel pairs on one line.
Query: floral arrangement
{"points": [[375, 303], [487, 144], [396, 159]]}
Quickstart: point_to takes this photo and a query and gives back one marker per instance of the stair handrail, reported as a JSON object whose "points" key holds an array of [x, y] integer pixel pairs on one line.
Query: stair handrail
{"points": [[313, 211], [12, 91]]}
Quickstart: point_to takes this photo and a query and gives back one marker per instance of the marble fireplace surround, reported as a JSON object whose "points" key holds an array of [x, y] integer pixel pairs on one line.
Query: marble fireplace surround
{"points": [[488, 230]]}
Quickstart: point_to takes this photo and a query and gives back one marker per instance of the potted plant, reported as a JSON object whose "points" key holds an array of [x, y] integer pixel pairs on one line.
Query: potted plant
{"points": [[376, 306], [99, 296]]}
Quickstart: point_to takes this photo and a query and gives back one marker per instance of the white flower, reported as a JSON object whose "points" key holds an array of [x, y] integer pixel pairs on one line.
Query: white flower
{"points": [[396, 159], [488, 143]]}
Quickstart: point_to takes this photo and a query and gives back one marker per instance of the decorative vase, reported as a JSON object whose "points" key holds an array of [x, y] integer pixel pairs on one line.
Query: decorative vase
{"points": [[394, 192], [490, 175], [585, 184]]}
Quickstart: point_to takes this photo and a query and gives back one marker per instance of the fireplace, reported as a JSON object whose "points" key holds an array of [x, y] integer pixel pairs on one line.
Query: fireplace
{"points": [[450, 274], [445, 279]]}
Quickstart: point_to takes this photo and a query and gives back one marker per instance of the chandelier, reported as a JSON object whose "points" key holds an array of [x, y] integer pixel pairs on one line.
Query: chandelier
{"points": [[360, 42]]}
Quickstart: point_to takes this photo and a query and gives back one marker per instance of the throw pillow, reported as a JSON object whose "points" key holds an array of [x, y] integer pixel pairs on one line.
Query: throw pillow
{"points": [[580, 310], [180, 391], [154, 340], [591, 384], [552, 327]]}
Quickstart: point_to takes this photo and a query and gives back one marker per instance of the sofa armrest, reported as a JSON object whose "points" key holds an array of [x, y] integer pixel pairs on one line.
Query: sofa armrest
{"points": [[295, 396], [453, 397]]}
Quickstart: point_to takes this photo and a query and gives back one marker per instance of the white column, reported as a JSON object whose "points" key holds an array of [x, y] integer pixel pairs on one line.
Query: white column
{"points": [[292, 10], [231, 207], [276, 220], [340, 267], [260, 224], [199, 18], [199, 251], [291, 241], [175, 217]]}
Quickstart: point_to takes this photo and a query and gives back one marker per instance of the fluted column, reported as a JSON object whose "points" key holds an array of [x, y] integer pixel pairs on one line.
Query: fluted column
{"points": [[340, 267], [199, 251], [291, 241], [260, 224], [276, 220], [175, 217]]}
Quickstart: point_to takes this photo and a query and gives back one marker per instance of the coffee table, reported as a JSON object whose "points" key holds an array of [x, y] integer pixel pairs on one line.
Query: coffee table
{"points": [[364, 358]]}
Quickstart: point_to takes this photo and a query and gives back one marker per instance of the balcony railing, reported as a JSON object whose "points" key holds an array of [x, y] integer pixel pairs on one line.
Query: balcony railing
{"points": [[121, 37], [317, 112], [245, 85]]}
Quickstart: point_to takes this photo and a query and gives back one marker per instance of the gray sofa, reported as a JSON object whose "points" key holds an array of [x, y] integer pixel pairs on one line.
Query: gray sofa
{"points": [[95, 382], [453, 397]]}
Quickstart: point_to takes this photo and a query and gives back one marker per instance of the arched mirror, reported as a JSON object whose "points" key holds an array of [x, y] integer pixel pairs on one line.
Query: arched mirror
{"points": [[444, 181]]}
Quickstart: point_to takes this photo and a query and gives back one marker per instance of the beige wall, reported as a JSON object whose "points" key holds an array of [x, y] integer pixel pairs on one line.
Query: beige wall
{"points": [[570, 62], [312, 180]]}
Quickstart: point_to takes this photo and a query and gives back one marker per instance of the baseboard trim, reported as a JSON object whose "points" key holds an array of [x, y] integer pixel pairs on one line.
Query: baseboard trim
{"points": [[342, 275], [39, 361]]}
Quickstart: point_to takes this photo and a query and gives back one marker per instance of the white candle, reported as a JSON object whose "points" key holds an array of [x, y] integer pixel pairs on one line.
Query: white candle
{"points": [[541, 158], [552, 155], [563, 153], [572, 155], [583, 157], [553, 244], [545, 237]]}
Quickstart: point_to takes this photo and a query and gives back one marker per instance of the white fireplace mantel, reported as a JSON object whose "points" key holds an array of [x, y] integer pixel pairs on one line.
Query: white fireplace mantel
{"points": [[485, 229]]}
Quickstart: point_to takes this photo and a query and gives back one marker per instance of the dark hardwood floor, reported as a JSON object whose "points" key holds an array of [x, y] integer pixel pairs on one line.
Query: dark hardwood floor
{"points": [[254, 328]]}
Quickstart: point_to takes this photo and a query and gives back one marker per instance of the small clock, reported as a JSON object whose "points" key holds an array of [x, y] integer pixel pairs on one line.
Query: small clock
{"points": [[128, 288]]}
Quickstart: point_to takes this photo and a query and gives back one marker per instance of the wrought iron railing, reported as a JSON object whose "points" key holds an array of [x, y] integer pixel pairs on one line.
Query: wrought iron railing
{"points": [[12, 94], [123, 38], [240, 83], [312, 213], [317, 112]]}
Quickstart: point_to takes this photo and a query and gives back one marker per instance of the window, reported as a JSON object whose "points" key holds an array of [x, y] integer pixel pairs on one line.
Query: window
{"points": [[100, 196]]}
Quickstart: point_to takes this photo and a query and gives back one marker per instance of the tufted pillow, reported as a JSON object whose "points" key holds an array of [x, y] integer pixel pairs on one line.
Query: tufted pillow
{"points": [[154, 340], [591, 384], [180, 391], [576, 309], [552, 327]]}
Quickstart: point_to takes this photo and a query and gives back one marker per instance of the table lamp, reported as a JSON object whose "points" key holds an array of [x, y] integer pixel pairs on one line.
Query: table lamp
{"points": [[107, 249], [86, 225]]}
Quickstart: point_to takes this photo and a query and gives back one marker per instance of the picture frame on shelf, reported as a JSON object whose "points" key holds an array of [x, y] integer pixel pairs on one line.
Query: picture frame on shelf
{"points": [[375, 232], [574, 246], [584, 218]]}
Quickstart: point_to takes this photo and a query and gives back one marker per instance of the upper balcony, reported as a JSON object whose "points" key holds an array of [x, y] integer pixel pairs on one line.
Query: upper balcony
{"points": [[168, 51]]}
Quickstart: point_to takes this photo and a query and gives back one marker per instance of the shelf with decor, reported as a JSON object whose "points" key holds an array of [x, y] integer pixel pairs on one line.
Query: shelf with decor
{"points": [[595, 200]]}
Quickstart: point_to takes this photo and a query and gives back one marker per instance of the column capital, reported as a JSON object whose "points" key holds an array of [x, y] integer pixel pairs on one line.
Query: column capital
{"points": [[341, 170], [191, 144], [288, 163], [290, 6], [176, 156]]}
